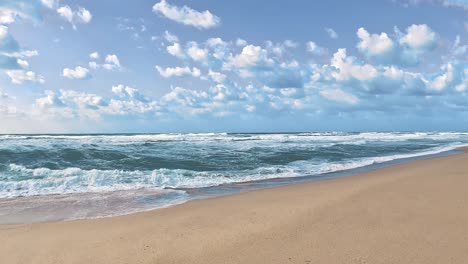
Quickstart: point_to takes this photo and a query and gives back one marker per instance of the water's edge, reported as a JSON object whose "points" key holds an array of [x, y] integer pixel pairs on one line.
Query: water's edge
{"points": [[62, 211]]}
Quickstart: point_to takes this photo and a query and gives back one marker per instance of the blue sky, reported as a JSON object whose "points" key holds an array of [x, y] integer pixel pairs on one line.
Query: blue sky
{"points": [[224, 66]]}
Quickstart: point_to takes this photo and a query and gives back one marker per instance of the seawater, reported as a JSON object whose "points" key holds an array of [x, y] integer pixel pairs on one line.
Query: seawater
{"points": [[83, 176]]}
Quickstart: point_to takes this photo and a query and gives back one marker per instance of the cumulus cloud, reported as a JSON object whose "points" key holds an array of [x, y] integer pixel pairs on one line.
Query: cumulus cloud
{"points": [[419, 37], [250, 56], [178, 71], [21, 76], [175, 50], [79, 73], [70, 104], [186, 15], [447, 78], [113, 59], [127, 92], [84, 16], [213, 42], [80, 16], [272, 79], [94, 55], [374, 44], [348, 68], [23, 63], [66, 12], [405, 50], [196, 53], [111, 62], [66, 104]]}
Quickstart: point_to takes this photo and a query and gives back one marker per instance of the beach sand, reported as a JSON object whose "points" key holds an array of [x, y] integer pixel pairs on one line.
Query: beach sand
{"points": [[410, 213]]}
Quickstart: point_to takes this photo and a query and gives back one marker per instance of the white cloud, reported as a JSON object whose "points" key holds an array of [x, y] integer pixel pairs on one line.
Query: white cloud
{"points": [[127, 92], [21, 76], [331, 33], [7, 15], [178, 71], [250, 56], [339, 96], [77, 73], [406, 50], [23, 63], [373, 44], [347, 68], [113, 59], [212, 42], [94, 55], [186, 15], [66, 12], [93, 65], [111, 62], [442, 81], [419, 37], [22, 54], [196, 53], [82, 16], [170, 37], [175, 50]]}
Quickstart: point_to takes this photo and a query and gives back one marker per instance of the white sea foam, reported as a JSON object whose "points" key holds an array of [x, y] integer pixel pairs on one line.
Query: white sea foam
{"points": [[22, 181], [329, 136]]}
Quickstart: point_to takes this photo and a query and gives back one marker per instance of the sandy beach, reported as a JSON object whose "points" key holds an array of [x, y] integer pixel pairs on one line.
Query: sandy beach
{"points": [[410, 213]]}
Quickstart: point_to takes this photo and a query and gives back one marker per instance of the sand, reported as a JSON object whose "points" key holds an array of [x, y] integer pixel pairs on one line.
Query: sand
{"points": [[410, 213]]}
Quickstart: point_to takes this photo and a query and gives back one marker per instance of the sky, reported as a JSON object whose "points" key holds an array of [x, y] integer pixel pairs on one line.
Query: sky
{"points": [[84, 66]]}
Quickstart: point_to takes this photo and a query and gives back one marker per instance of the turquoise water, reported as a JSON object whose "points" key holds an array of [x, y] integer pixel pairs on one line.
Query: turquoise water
{"points": [[129, 173]]}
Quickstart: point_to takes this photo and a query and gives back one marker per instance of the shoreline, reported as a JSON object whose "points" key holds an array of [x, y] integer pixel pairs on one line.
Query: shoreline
{"points": [[192, 194], [414, 212]]}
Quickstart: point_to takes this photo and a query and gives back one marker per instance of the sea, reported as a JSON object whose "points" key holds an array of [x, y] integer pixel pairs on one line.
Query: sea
{"points": [[66, 177]]}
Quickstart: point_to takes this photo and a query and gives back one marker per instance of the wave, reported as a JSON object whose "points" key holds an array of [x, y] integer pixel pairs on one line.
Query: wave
{"points": [[18, 180], [327, 136], [358, 163]]}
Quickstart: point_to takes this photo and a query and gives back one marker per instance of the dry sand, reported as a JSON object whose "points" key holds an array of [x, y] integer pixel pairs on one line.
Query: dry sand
{"points": [[411, 213]]}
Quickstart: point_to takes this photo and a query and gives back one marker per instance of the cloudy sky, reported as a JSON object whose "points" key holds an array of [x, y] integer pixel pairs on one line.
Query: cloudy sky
{"points": [[74, 66]]}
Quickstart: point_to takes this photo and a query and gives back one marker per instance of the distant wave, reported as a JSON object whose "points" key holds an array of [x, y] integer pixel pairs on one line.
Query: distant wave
{"points": [[329, 136]]}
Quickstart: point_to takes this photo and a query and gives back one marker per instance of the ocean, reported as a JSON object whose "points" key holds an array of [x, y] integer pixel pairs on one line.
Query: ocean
{"points": [[63, 177]]}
